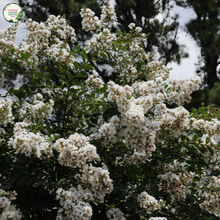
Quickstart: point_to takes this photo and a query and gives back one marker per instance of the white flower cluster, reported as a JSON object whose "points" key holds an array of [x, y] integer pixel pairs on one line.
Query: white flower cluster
{"points": [[94, 81], [209, 192], [156, 69], [2, 78], [115, 214], [74, 204], [53, 36], [108, 14], [158, 218], [98, 181], [138, 130], [149, 202], [8, 211], [7, 39], [91, 22], [126, 63], [6, 112], [174, 181], [30, 143], [107, 132], [180, 89], [100, 42], [75, 151], [174, 121], [211, 128], [37, 111]]}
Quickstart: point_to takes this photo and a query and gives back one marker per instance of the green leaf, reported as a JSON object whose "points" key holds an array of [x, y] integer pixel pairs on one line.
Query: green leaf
{"points": [[84, 56], [25, 55], [11, 90], [38, 75], [88, 67], [12, 50], [76, 65], [81, 74], [69, 75], [78, 48], [120, 33], [104, 55], [37, 127]]}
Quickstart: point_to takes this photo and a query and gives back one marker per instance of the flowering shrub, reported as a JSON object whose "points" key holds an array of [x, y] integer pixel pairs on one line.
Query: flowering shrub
{"points": [[74, 147]]}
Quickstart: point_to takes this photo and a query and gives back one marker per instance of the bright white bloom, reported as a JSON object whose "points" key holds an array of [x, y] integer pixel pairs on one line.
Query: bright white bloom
{"points": [[158, 218], [6, 112], [30, 143], [98, 181], [75, 151], [149, 202], [8, 211], [131, 25], [74, 204], [37, 111]]}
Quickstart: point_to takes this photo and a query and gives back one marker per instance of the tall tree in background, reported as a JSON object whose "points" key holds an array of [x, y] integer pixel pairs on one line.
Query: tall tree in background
{"points": [[154, 17], [205, 31]]}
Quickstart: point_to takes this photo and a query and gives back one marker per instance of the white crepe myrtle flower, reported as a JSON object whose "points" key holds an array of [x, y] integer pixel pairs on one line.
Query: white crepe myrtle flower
{"points": [[131, 25], [158, 218], [75, 151], [149, 202], [115, 214], [29, 143], [98, 180], [74, 203]]}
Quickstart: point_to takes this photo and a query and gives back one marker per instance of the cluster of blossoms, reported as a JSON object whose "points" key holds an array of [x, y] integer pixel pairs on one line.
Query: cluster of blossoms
{"points": [[74, 204], [211, 131], [128, 61], [149, 202], [182, 89], [91, 22], [7, 41], [94, 81], [209, 192], [143, 118], [29, 143], [8, 211], [138, 131], [101, 42], [174, 181], [75, 151], [158, 218], [2, 79], [115, 214], [37, 111], [211, 128], [107, 132], [5, 113], [174, 121], [53, 36], [108, 14], [98, 181]]}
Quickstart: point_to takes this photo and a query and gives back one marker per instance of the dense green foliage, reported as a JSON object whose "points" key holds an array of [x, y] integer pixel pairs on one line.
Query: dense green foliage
{"points": [[74, 147]]}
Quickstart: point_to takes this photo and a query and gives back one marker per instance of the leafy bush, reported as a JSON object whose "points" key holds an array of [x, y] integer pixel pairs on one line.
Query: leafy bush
{"points": [[73, 147]]}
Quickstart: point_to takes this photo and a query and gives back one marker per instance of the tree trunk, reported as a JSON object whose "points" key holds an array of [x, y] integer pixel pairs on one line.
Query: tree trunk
{"points": [[211, 65]]}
